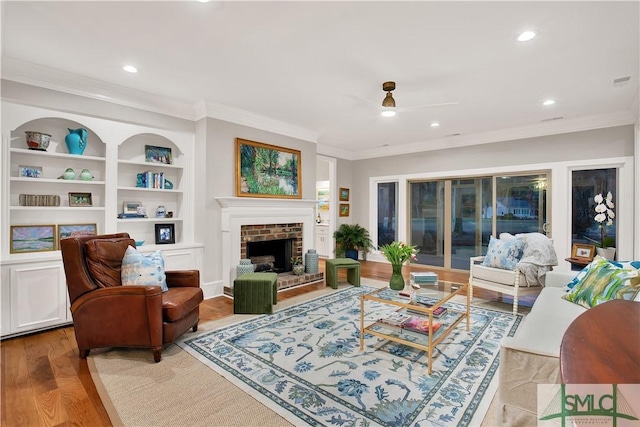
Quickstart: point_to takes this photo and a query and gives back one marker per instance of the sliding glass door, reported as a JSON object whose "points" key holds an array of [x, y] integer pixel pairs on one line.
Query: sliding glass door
{"points": [[452, 220]]}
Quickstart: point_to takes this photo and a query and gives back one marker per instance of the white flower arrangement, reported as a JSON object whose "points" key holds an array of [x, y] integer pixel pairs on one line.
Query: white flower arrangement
{"points": [[604, 215]]}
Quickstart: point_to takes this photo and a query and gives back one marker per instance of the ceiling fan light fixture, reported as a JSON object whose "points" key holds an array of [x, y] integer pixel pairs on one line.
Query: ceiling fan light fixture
{"points": [[388, 112], [388, 101]]}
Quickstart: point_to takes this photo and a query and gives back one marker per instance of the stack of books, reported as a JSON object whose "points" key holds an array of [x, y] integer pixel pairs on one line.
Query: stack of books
{"points": [[438, 312], [412, 323], [426, 277]]}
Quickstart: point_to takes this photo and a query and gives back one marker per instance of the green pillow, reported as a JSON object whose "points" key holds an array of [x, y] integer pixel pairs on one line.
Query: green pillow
{"points": [[604, 282]]}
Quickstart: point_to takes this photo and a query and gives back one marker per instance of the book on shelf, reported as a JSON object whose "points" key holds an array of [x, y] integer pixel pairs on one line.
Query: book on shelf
{"points": [[395, 319], [438, 312]]}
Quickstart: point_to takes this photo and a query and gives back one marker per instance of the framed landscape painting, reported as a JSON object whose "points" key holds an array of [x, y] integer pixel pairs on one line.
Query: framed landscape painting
{"points": [[73, 230], [32, 238], [264, 170]]}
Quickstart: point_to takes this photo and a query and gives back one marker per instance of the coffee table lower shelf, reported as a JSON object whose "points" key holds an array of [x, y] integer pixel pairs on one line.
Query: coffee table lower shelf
{"points": [[454, 317]]}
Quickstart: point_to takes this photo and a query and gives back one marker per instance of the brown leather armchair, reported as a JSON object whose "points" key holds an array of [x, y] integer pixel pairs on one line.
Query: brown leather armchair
{"points": [[107, 314]]}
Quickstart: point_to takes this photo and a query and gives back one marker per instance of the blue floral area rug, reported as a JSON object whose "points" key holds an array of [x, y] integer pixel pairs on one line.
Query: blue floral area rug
{"points": [[305, 363]]}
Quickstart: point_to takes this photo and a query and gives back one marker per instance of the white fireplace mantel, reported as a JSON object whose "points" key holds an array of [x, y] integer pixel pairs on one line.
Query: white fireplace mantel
{"points": [[239, 211]]}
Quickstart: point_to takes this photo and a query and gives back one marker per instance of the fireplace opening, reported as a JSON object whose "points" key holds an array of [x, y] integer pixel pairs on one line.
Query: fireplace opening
{"points": [[280, 249]]}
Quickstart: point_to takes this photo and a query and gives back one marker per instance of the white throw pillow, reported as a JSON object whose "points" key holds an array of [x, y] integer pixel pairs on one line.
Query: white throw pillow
{"points": [[143, 270]]}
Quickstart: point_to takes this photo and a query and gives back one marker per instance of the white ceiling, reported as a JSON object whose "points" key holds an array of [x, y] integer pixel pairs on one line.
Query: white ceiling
{"points": [[315, 69]]}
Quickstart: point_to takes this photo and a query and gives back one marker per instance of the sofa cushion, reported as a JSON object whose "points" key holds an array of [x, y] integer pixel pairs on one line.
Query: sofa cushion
{"points": [[603, 282], [143, 270], [622, 264], [503, 254], [104, 259]]}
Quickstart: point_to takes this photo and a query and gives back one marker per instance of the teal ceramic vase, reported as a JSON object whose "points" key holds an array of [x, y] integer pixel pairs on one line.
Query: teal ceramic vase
{"points": [[76, 141], [311, 261], [397, 281]]}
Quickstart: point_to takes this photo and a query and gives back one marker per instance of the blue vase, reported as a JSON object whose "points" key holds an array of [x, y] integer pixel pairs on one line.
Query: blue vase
{"points": [[311, 261], [76, 141], [245, 266]]}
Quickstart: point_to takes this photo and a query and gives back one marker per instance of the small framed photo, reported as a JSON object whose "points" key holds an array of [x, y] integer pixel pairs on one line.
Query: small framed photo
{"points": [[165, 233], [80, 199], [344, 194], [30, 171], [32, 238], [344, 209], [76, 230], [155, 154], [583, 251], [131, 207]]}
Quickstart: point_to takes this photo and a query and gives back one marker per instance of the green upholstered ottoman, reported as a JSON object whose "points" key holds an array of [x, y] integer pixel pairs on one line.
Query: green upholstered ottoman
{"points": [[353, 271], [255, 293]]}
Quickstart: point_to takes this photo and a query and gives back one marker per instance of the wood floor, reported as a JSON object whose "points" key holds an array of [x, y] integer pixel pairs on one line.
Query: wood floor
{"points": [[44, 382]]}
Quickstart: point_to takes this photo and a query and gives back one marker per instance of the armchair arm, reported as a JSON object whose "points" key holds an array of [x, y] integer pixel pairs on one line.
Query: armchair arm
{"points": [[476, 259], [183, 279], [118, 316]]}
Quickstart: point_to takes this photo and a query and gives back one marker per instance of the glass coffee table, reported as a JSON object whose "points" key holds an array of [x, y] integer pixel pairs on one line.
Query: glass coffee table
{"points": [[422, 318]]}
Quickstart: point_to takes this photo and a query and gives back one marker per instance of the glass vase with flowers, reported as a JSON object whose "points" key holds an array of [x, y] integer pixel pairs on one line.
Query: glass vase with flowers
{"points": [[398, 253]]}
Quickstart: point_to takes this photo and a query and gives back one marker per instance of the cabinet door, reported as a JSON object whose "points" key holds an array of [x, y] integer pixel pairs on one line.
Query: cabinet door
{"points": [[38, 296], [5, 302]]}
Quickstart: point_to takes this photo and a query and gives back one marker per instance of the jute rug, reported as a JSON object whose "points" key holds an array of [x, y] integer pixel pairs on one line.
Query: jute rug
{"points": [[182, 391]]}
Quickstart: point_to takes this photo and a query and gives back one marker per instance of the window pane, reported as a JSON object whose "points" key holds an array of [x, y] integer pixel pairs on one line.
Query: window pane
{"points": [[471, 199], [427, 221], [520, 204], [387, 213], [585, 185]]}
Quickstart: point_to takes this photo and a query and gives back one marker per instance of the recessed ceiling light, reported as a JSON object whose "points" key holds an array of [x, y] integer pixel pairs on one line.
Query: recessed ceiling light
{"points": [[203, 1], [435, 124], [549, 102], [388, 113], [130, 69], [526, 36]]}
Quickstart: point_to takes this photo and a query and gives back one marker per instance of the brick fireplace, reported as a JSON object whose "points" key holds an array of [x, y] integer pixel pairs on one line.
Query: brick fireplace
{"points": [[246, 219], [282, 241]]}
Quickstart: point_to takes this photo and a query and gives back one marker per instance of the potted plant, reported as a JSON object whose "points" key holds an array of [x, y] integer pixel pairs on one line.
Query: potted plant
{"points": [[604, 218], [297, 266], [397, 253], [350, 238]]}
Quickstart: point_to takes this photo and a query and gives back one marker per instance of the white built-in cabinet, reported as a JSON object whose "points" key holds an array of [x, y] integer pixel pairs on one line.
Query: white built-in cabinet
{"points": [[323, 241], [33, 289]]}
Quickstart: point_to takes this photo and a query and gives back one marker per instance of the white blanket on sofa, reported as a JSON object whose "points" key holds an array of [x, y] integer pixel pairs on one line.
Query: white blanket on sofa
{"points": [[538, 257]]}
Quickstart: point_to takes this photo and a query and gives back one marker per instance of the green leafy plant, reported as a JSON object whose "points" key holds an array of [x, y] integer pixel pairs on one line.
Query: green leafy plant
{"points": [[398, 252], [296, 260], [352, 237]]}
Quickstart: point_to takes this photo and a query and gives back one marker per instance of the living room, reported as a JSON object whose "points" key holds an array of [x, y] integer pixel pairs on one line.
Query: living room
{"points": [[604, 133]]}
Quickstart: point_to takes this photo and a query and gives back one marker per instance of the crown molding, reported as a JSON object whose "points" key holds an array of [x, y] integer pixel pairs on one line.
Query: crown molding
{"points": [[620, 118], [327, 150], [257, 121]]}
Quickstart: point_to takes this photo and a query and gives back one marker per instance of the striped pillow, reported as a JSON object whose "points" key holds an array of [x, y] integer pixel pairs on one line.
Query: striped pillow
{"points": [[628, 265]]}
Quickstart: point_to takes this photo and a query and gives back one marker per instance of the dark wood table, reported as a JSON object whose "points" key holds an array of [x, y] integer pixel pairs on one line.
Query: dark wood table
{"points": [[602, 346], [578, 262]]}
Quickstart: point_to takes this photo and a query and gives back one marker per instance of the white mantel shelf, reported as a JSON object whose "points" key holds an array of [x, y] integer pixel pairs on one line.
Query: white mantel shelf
{"points": [[257, 202]]}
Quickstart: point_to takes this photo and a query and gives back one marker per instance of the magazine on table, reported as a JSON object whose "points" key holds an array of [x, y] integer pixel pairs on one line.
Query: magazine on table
{"points": [[438, 312], [420, 324], [396, 318]]}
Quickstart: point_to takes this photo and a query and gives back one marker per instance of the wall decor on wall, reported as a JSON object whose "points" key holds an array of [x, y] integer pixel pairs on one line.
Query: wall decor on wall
{"points": [[264, 170], [344, 194], [76, 230], [165, 233], [344, 209], [156, 154], [80, 199], [32, 238], [30, 171]]}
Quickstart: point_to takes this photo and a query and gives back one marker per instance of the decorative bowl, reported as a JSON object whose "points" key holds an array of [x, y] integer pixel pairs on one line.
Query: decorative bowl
{"points": [[37, 140], [139, 243]]}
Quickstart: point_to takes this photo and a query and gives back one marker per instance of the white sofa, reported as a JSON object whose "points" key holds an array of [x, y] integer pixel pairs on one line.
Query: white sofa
{"points": [[531, 357]]}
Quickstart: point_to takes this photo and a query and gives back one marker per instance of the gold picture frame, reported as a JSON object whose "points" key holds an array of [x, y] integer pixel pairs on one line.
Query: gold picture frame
{"points": [[344, 194], [344, 209], [264, 170], [580, 251]]}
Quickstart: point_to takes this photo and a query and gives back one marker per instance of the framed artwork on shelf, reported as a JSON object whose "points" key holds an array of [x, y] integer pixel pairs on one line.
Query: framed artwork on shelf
{"points": [[131, 207], [32, 238], [156, 154], [344, 194], [80, 199], [30, 171], [264, 170], [73, 230], [344, 209], [165, 233], [586, 252]]}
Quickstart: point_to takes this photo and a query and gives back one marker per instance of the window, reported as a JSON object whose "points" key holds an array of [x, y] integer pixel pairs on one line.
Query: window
{"points": [[585, 184], [387, 212]]}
